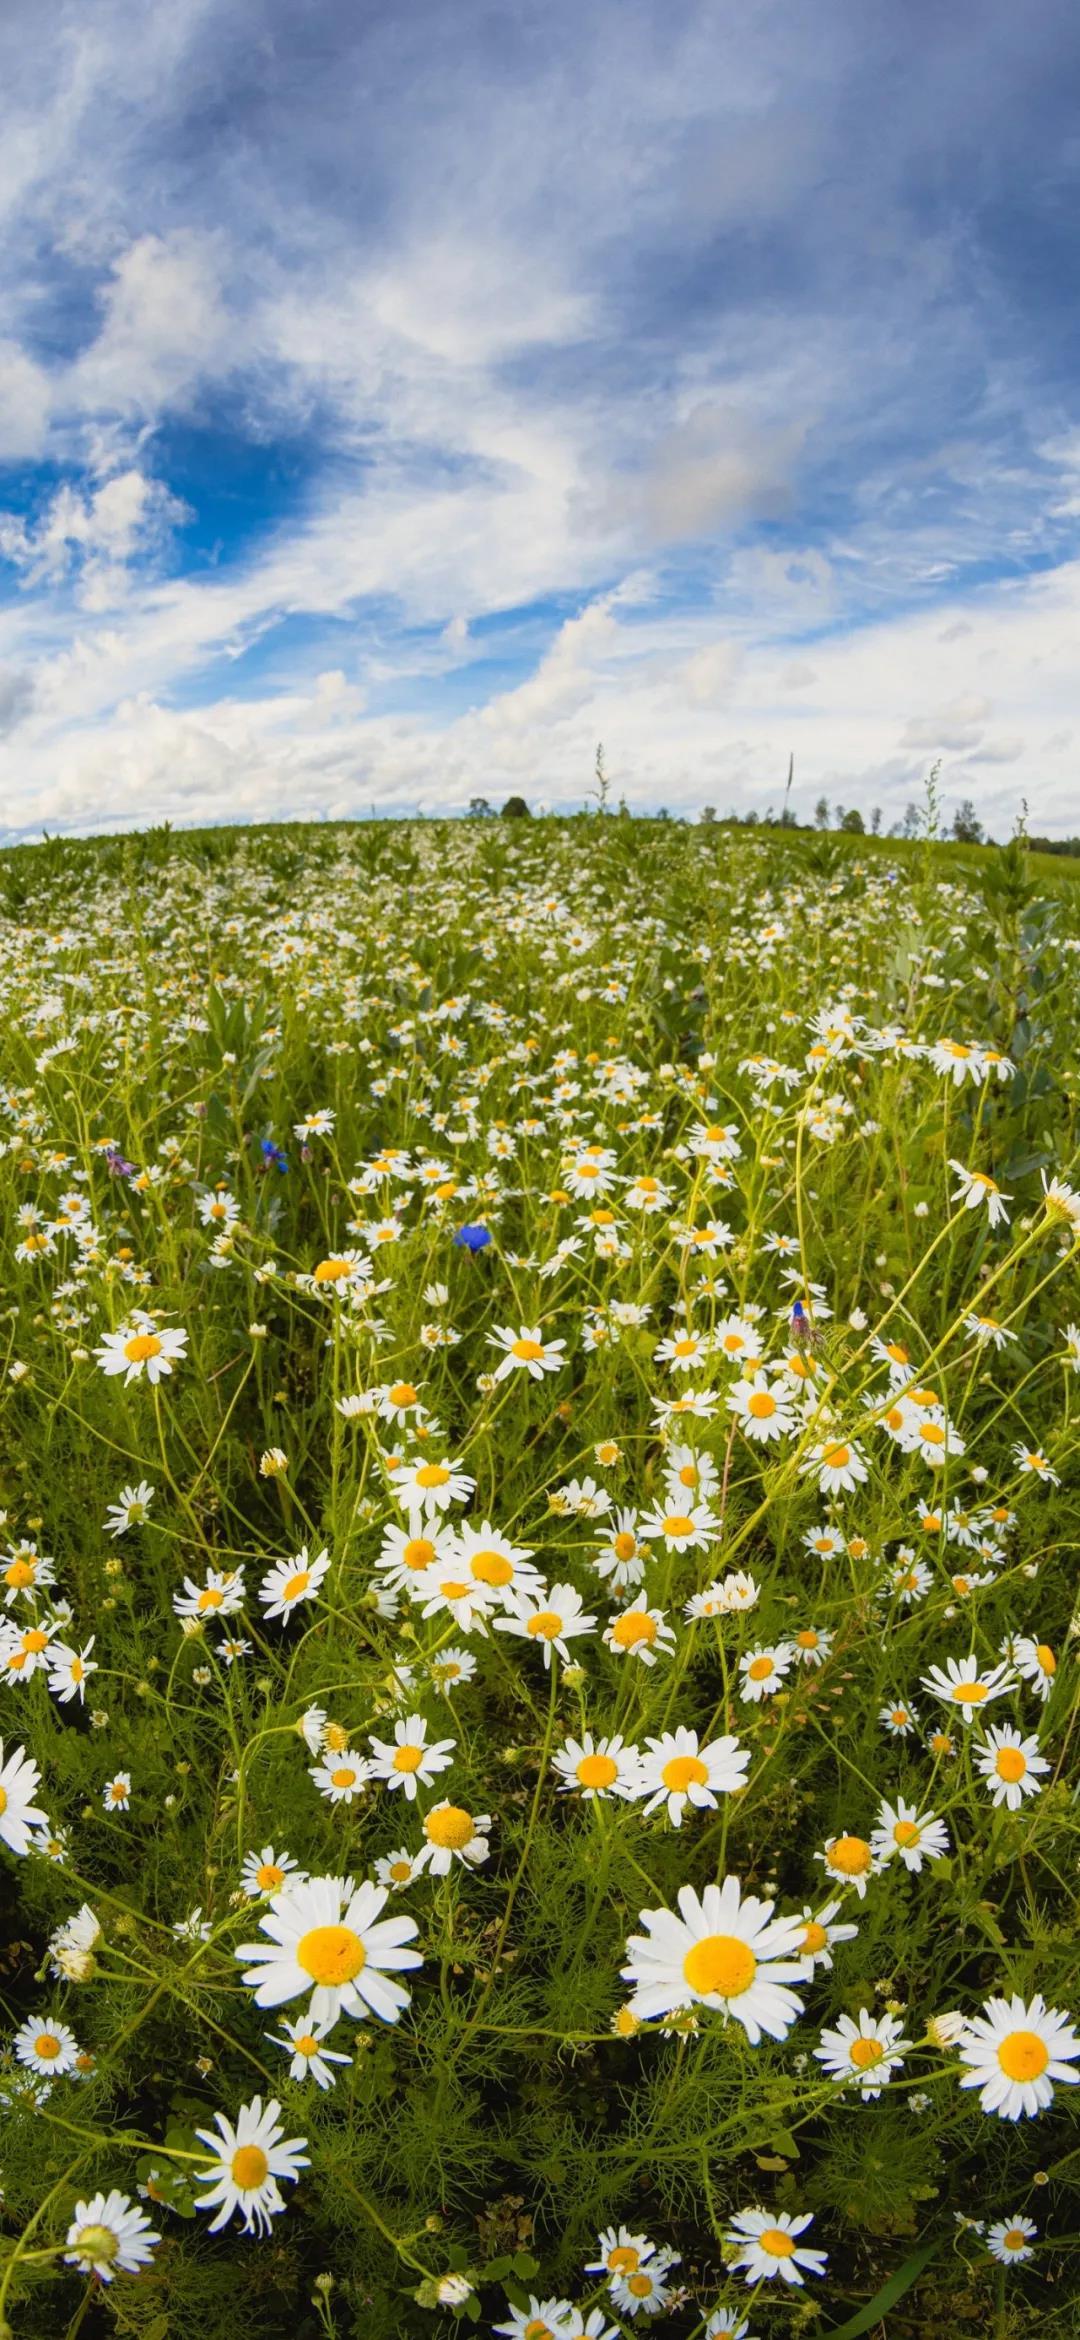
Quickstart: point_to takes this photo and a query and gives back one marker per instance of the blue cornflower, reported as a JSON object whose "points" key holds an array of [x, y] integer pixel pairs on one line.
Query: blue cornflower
{"points": [[273, 1156], [473, 1238]]}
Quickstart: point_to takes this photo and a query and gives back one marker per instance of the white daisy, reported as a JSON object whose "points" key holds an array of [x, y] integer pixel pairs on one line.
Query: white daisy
{"points": [[763, 1670], [965, 1684], [1010, 2240], [69, 1670], [326, 1937], [766, 2245], [526, 1351], [1014, 2052], [246, 2162], [905, 1833], [267, 1871], [431, 1487], [304, 2045], [865, 2053], [551, 1619], [676, 1771], [819, 1933], [1010, 1764], [452, 1834], [139, 1348], [289, 1582], [647, 2291], [723, 1952], [45, 2045], [408, 1761], [1036, 1662], [342, 1776], [600, 1767], [108, 2235]]}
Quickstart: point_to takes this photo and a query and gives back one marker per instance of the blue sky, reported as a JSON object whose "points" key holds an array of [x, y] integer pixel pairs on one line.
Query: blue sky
{"points": [[396, 401]]}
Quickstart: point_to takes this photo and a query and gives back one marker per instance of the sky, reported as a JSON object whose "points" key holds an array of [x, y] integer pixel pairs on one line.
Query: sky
{"points": [[397, 400]]}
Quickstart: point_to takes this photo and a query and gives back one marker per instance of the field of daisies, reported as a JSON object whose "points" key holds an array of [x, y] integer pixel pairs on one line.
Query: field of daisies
{"points": [[539, 1519]]}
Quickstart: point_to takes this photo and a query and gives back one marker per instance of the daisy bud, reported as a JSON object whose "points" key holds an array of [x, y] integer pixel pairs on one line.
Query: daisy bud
{"points": [[943, 2031]]}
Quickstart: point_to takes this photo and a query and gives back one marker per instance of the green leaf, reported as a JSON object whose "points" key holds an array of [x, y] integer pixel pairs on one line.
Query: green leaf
{"points": [[866, 2317], [525, 2265]]}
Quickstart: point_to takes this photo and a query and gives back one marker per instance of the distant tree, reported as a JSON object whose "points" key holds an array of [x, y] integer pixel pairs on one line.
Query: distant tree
{"points": [[787, 819], [663, 814], [707, 815], [515, 809], [853, 822], [875, 821], [750, 820], [912, 821], [480, 809], [967, 828], [821, 813]]}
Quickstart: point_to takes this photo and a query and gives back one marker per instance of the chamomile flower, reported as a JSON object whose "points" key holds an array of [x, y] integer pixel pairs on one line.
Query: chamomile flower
{"points": [[69, 1671], [290, 1582], [267, 1871], [221, 1595], [44, 2044], [327, 1936], [647, 2291], [727, 2324], [1014, 2052], [141, 1348], [108, 2236], [1010, 2240], [682, 1527], [976, 1190], [675, 1770], [865, 2053], [597, 1767], [453, 1834], [500, 1567], [762, 1408], [763, 1671], [116, 1793], [543, 2319], [1010, 1765], [766, 2245], [526, 1351], [620, 2252], [819, 1934], [838, 1465], [640, 1632], [341, 1777], [966, 1685], [1031, 1459], [397, 1869], [1036, 1663], [245, 2163], [552, 1619], [723, 1952], [309, 2057], [431, 1487], [903, 1833], [408, 1761], [850, 1860]]}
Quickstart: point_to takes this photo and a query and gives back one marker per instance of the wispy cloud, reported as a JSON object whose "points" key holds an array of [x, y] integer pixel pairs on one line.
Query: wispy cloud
{"points": [[703, 381]]}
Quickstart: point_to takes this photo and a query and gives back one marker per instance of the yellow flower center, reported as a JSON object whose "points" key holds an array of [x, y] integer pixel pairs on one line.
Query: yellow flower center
{"points": [[932, 1434], [815, 1936], [249, 2167], [719, 1964], [331, 1271], [408, 1758], [759, 1669], [527, 1352], [97, 2242], [641, 2285], [684, 1771], [46, 2046], [331, 1954], [865, 2052], [677, 1524], [1010, 1763], [778, 2244], [545, 1626], [307, 2044], [762, 1405], [491, 1567], [344, 1777], [836, 1458], [905, 1832], [418, 1553], [296, 1585], [851, 1855], [20, 1574], [623, 2259], [432, 1475], [625, 1545], [403, 1394], [449, 1827], [268, 1876], [807, 1639], [634, 1626], [140, 1347], [1046, 1657], [597, 1771], [970, 1693], [210, 1598], [1022, 2055], [1014, 2238]]}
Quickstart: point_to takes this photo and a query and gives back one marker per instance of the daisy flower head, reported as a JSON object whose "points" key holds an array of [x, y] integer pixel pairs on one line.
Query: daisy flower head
{"points": [[826, 1543], [407, 1552], [25, 1573], [304, 2045], [682, 1527], [688, 1473], [838, 1464], [675, 1770], [267, 1871], [550, 1618], [1010, 1765], [1010, 2240], [621, 1558], [109, 2236], [766, 2245], [1031, 1459], [597, 1767], [341, 1777], [397, 1869], [1036, 1662], [45, 2045], [819, 1934], [899, 1718], [500, 1568], [965, 1684], [69, 1670], [139, 1348], [526, 1351], [289, 1582], [763, 1671], [762, 1409], [723, 1951], [453, 1834], [727, 2324], [319, 1124], [543, 2319], [640, 1632], [905, 1833], [619, 2252], [975, 1190], [811, 1646], [116, 1793], [647, 2291], [245, 2163], [222, 1594], [850, 1860], [408, 1761], [430, 1487], [327, 1936], [865, 2053], [1014, 2052]]}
